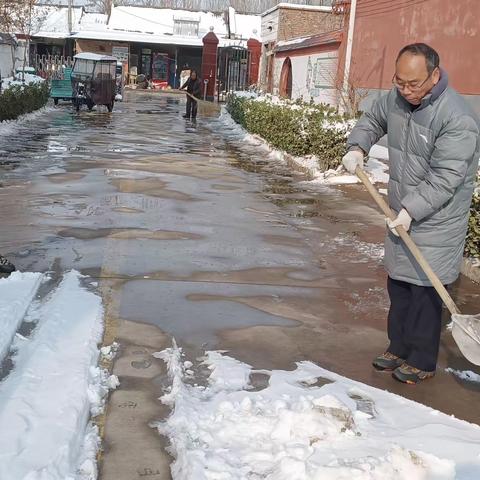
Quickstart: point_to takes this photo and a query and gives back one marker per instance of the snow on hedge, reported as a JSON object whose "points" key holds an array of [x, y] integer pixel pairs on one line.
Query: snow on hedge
{"points": [[29, 78], [306, 424]]}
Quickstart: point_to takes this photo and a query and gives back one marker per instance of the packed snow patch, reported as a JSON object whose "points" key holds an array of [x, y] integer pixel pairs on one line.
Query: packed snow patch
{"points": [[16, 293], [465, 375], [306, 424], [55, 386]]}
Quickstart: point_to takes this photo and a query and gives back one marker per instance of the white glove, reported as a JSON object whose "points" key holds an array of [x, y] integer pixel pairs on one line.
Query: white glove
{"points": [[403, 219], [352, 160]]}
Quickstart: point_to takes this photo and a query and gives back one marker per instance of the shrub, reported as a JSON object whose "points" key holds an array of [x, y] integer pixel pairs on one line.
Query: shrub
{"points": [[295, 127], [20, 99], [472, 242]]}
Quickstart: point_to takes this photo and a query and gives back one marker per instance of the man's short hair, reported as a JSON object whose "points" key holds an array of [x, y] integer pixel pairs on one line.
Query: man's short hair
{"points": [[431, 56]]}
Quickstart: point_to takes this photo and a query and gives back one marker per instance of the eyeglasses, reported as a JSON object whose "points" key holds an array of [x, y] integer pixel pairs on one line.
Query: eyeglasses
{"points": [[412, 86]]}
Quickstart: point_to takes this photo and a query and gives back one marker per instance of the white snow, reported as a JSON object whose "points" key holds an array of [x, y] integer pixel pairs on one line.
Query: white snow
{"points": [[16, 293], [375, 168], [47, 399], [284, 43], [296, 6], [29, 78], [465, 375], [299, 429]]}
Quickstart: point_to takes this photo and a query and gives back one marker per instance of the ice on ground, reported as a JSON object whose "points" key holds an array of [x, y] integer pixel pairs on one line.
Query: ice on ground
{"points": [[298, 428], [47, 399], [465, 375], [16, 293]]}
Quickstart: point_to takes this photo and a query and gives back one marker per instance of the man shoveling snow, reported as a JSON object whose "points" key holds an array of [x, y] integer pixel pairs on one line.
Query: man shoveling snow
{"points": [[434, 145]]}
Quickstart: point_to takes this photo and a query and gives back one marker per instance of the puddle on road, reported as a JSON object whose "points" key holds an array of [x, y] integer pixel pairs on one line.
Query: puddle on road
{"points": [[126, 234], [169, 305], [149, 186]]}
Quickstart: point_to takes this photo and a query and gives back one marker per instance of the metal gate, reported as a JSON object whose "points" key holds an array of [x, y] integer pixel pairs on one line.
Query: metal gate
{"points": [[233, 70], [51, 66]]}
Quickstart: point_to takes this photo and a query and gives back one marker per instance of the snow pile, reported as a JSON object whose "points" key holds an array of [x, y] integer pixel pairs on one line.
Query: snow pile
{"points": [[307, 424], [16, 293], [47, 399]]}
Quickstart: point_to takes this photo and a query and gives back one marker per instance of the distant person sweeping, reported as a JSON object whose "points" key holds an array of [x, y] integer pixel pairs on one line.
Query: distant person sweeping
{"points": [[434, 146], [193, 85]]}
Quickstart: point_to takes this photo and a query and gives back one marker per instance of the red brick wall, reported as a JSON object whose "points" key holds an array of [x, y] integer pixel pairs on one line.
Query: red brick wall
{"points": [[294, 23], [451, 27]]}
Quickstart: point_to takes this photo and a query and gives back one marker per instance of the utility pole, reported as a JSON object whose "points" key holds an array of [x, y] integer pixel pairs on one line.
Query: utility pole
{"points": [[70, 23], [348, 53]]}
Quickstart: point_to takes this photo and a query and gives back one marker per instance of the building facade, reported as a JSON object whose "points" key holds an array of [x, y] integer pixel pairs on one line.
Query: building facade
{"points": [[293, 28], [383, 28]]}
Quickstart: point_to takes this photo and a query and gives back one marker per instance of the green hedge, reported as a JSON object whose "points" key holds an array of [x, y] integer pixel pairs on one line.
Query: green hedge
{"points": [[472, 243], [308, 129], [297, 128], [20, 99]]}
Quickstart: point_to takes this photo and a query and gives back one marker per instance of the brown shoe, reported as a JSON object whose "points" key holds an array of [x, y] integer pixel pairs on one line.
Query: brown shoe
{"points": [[387, 362], [411, 375]]}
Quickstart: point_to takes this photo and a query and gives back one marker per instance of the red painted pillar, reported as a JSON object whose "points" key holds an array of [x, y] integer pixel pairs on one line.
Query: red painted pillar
{"points": [[209, 63], [255, 50]]}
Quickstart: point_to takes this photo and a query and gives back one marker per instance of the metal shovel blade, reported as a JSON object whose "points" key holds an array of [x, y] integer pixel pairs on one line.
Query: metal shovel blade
{"points": [[466, 332]]}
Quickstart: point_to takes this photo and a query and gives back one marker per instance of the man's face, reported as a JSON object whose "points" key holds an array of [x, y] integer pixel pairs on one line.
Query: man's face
{"points": [[194, 76], [412, 78]]}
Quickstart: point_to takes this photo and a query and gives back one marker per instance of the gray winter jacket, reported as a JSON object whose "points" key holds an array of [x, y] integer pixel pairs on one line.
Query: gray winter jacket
{"points": [[433, 155]]}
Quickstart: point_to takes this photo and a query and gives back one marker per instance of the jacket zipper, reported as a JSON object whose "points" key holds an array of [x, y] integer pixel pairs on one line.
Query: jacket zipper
{"points": [[405, 151]]}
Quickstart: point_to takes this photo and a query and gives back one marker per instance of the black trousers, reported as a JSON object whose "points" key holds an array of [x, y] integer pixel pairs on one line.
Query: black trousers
{"points": [[414, 323], [192, 106]]}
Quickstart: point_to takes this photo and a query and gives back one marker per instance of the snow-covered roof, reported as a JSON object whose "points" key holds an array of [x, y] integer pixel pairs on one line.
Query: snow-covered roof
{"points": [[297, 6], [320, 39], [146, 25], [95, 56], [52, 22], [245, 26], [93, 21], [161, 21]]}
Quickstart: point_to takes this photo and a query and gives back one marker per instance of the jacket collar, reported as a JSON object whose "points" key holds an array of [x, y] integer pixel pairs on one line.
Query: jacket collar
{"points": [[437, 90], [434, 93]]}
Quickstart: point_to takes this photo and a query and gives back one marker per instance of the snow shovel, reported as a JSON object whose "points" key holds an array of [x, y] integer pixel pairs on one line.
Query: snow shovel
{"points": [[465, 328], [204, 107]]}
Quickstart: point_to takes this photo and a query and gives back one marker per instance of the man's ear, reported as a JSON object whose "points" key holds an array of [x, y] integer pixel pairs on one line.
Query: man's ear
{"points": [[436, 75]]}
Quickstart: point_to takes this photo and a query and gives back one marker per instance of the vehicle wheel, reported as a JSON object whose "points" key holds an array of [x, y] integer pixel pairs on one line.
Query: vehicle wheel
{"points": [[55, 101], [110, 106]]}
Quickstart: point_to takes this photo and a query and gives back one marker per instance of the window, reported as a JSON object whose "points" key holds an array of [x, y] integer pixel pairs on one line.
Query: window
{"points": [[186, 28], [83, 67], [324, 72]]}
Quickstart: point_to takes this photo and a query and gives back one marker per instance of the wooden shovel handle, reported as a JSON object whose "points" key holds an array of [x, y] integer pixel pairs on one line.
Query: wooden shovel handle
{"points": [[436, 283]]}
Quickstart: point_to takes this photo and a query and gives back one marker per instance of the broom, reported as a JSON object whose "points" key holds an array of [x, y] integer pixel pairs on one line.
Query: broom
{"points": [[205, 108]]}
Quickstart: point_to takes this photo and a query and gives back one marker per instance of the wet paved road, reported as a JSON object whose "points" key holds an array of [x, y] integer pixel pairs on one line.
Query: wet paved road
{"points": [[195, 234]]}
